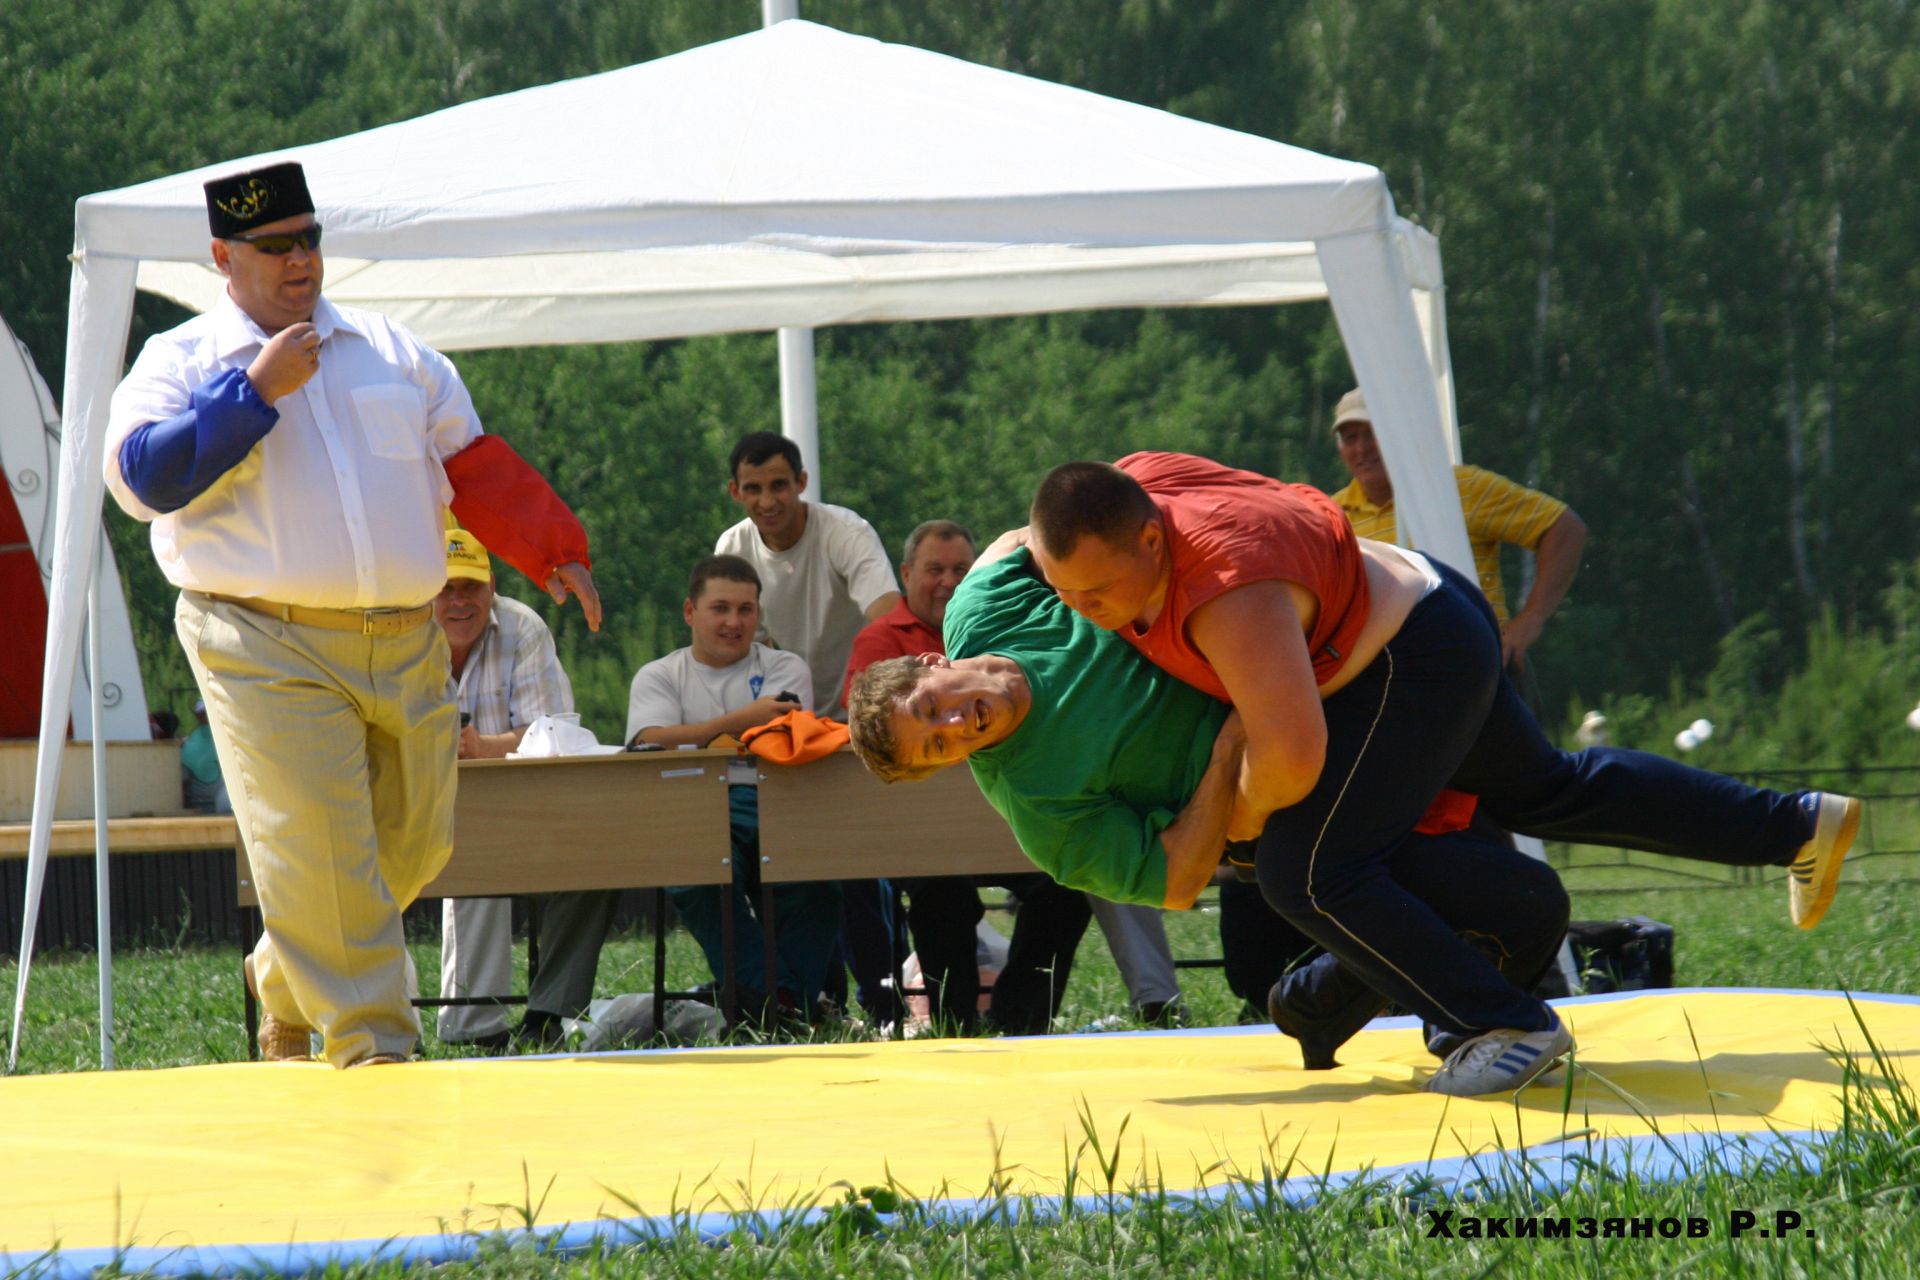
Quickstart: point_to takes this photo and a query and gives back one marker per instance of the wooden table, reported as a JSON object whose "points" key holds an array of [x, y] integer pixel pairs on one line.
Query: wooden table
{"points": [[631, 820], [832, 820], [628, 821], [650, 820]]}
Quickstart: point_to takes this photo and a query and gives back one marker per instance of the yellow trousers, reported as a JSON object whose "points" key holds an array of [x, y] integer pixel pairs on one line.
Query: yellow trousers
{"points": [[338, 751]]}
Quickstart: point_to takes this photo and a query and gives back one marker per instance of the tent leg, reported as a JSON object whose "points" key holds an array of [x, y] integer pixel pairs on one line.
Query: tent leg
{"points": [[102, 864]]}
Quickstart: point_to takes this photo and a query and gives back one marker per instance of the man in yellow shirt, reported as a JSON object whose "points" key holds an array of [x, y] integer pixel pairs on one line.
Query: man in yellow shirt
{"points": [[1497, 511]]}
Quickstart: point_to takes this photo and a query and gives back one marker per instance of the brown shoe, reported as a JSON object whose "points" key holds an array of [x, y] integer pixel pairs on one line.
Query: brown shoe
{"points": [[378, 1060], [279, 1041], [284, 1041]]}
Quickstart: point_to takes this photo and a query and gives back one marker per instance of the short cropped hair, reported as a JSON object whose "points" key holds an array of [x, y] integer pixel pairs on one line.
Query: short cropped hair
{"points": [[936, 529], [726, 568], [1097, 498], [763, 446], [876, 694]]}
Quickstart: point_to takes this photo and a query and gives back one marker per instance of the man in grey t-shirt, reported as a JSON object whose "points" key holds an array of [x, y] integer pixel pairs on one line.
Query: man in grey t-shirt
{"points": [[726, 683]]}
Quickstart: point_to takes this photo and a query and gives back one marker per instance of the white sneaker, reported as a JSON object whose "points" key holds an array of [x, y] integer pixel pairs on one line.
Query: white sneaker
{"points": [[1501, 1061], [1815, 873]]}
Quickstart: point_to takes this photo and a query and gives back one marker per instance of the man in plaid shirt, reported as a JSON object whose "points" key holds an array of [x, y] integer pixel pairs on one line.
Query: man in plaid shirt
{"points": [[507, 675]]}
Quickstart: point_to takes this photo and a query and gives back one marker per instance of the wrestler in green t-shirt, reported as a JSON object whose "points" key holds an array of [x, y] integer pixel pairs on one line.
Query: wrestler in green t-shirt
{"points": [[1092, 819]]}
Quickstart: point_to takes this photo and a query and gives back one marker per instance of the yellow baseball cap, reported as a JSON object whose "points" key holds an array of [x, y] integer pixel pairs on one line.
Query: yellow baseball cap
{"points": [[466, 558]]}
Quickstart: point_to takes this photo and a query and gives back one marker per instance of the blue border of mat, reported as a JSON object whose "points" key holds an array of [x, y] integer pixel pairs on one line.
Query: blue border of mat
{"points": [[1542, 1166]]}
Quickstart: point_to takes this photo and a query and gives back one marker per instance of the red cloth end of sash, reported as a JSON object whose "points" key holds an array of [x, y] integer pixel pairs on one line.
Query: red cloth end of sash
{"points": [[500, 499], [1450, 811]]}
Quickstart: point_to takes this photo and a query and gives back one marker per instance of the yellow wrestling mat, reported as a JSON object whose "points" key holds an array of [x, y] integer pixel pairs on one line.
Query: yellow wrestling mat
{"points": [[237, 1166]]}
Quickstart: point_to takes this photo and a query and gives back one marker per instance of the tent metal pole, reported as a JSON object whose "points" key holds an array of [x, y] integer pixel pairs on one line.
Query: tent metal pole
{"points": [[102, 884], [799, 404], [99, 310], [799, 397]]}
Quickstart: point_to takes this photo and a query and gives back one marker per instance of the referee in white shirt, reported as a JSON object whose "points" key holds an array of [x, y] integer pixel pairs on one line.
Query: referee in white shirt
{"points": [[295, 460]]}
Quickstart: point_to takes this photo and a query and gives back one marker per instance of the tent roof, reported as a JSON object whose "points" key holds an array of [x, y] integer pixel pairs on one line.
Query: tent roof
{"points": [[796, 175]]}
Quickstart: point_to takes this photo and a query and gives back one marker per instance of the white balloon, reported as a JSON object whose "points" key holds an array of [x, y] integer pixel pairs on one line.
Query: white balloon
{"points": [[1592, 731], [1913, 719], [1702, 729], [1686, 740]]}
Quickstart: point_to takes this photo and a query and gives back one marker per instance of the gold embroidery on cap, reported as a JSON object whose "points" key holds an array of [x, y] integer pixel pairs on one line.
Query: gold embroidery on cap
{"points": [[248, 203]]}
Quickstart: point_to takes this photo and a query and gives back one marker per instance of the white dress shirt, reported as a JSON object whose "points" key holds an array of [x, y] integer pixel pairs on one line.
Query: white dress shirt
{"points": [[340, 505]]}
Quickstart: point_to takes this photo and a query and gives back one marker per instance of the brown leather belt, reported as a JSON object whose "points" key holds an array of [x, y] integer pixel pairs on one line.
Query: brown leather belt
{"points": [[368, 622]]}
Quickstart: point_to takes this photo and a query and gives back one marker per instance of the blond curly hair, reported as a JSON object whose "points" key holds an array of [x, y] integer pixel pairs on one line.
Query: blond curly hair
{"points": [[876, 694]]}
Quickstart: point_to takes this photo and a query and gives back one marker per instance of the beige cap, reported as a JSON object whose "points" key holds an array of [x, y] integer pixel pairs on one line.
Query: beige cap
{"points": [[466, 558], [1352, 408]]}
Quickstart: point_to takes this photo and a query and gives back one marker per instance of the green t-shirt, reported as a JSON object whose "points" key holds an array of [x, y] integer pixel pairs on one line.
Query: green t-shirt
{"points": [[1110, 750]]}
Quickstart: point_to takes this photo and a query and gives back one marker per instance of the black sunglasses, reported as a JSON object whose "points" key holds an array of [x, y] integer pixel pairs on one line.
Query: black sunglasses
{"points": [[307, 238]]}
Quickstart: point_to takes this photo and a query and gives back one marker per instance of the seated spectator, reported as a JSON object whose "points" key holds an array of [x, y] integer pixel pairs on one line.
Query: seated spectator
{"points": [[201, 788], [943, 911], [824, 576], [507, 675], [726, 683]]}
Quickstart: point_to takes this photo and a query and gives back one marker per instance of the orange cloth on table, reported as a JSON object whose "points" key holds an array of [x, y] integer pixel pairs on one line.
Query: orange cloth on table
{"points": [[795, 738]]}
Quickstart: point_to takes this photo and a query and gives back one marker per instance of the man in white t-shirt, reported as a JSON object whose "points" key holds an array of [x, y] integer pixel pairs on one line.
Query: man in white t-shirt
{"points": [[824, 575], [726, 683]]}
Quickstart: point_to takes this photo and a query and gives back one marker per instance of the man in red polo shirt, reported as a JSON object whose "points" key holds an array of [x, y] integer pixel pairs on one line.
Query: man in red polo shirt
{"points": [[939, 553]]}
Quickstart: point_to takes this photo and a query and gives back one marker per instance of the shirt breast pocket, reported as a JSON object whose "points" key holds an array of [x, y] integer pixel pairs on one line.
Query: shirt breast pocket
{"points": [[393, 418]]}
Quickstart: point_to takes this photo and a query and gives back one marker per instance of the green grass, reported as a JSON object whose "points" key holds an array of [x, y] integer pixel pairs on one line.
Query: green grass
{"points": [[182, 1006], [1736, 934], [179, 1006]]}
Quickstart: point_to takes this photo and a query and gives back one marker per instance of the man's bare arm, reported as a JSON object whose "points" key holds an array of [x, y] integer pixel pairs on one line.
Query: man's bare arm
{"points": [[1555, 561], [757, 712], [1004, 545], [1256, 641], [883, 606], [475, 745], [1195, 839]]}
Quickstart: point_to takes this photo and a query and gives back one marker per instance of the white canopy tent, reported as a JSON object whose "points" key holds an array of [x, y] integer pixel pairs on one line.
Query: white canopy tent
{"points": [[794, 176]]}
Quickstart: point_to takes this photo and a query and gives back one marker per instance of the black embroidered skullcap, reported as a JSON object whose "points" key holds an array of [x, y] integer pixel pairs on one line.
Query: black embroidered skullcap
{"points": [[243, 201]]}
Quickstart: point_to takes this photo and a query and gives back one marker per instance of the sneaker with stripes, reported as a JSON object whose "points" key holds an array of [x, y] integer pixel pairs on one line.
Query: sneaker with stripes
{"points": [[1815, 873], [1501, 1061]]}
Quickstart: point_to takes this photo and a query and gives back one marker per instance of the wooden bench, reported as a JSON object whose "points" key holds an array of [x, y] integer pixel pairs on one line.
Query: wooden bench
{"points": [[73, 838]]}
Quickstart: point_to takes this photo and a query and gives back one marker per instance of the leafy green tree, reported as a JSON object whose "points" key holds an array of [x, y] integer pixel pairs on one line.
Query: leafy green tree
{"points": [[1678, 241]]}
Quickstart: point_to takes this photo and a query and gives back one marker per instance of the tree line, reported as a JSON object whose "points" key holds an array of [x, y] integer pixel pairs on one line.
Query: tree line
{"points": [[1678, 239]]}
